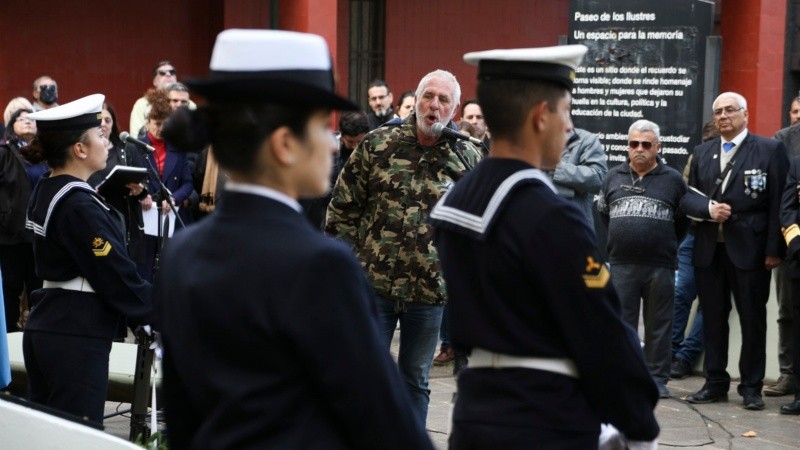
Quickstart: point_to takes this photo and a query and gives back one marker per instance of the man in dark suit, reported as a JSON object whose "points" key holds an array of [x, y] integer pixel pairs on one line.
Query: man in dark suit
{"points": [[790, 219], [790, 136], [737, 180]]}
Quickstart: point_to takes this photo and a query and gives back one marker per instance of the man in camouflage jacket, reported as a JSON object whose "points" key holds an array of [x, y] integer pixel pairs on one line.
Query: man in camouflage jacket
{"points": [[380, 206]]}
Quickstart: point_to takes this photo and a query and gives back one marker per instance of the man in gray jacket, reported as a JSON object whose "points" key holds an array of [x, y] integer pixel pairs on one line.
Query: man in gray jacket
{"points": [[579, 175]]}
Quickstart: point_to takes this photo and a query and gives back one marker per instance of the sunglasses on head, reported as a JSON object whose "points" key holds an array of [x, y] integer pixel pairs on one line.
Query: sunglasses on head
{"points": [[645, 145], [167, 72]]}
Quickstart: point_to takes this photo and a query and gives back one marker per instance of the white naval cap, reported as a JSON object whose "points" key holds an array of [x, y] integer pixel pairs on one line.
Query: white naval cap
{"points": [[80, 114], [556, 64], [271, 66]]}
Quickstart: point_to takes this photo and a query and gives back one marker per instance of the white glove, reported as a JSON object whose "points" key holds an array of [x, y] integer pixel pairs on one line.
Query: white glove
{"points": [[612, 439], [156, 347]]}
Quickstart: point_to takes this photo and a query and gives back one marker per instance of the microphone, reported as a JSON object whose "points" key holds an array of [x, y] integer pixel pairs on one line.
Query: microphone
{"points": [[126, 137], [439, 128]]}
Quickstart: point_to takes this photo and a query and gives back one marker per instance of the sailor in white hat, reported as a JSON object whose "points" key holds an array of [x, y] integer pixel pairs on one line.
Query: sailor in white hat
{"points": [[531, 300], [269, 335], [90, 283]]}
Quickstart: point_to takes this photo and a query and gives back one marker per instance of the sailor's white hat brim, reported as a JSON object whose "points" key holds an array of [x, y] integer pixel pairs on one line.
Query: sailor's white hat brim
{"points": [[552, 64], [566, 55], [79, 114]]}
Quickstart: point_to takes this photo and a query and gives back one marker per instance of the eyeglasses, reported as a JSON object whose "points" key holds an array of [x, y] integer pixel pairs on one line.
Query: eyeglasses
{"points": [[727, 110], [645, 144], [24, 119], [167, 72]]}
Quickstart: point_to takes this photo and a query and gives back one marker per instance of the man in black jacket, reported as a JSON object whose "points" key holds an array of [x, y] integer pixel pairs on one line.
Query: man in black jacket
{"points": [[790, 220], [639, 206], [790, 136], [380, 101]]}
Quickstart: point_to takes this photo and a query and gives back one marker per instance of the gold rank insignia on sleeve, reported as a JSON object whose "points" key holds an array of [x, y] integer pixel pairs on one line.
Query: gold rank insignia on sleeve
{"points": [[789, 234], [596, 274], [100, 247]]}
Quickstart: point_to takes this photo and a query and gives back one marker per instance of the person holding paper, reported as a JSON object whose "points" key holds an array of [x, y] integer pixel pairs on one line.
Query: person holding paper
{"points": [[173, 170], [127, 201], [90, 282]]}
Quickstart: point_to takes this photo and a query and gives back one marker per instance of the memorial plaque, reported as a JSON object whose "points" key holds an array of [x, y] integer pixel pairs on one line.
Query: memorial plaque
{"points": [[646, 60]]}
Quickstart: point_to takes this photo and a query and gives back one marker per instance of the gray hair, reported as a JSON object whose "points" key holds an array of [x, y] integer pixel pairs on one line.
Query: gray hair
{"points": [[176, 87], [643, 126], [739, 99], [439, 73]]}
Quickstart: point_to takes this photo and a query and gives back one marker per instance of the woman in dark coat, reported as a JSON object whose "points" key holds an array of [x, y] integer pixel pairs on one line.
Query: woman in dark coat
{"points": [[174, 172], [20, 168]]}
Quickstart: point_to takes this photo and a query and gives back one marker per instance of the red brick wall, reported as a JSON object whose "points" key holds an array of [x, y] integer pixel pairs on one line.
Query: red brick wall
{"points": [[247, 13], [110, 47], [752, 58], [425, 36], [101, 46]]}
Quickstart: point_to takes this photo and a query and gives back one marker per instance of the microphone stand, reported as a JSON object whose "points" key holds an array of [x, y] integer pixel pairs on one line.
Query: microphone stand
{"points": [[144, 354], [141, 387]]}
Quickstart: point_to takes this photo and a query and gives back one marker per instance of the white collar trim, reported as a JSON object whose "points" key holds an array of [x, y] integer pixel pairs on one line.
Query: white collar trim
{"points": [[480, 224]]}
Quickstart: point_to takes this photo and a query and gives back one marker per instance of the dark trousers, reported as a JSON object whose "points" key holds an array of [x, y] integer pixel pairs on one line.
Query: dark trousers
{"points": [[477, 436], [783, 290], [796, 333], [17, 266], [750, 289], [67, 373], [652, 289]]}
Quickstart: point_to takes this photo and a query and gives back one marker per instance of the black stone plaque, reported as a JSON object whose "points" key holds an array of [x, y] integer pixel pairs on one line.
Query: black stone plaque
{"points": [[646, 60]]}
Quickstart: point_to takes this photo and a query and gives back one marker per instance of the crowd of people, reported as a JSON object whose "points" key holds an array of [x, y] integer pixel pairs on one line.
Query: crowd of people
{"points": [[425, 238]]}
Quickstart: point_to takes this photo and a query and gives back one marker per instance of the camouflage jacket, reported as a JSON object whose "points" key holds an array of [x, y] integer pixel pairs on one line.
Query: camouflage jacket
{"points": [[381, 202]]}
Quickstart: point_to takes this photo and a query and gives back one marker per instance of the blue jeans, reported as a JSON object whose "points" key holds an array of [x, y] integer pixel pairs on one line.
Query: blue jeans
{"points": [[419, 332], [690, 347]]}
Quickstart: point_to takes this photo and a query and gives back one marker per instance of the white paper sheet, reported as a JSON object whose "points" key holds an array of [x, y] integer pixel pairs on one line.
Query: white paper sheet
{"points": [[151, 219]]}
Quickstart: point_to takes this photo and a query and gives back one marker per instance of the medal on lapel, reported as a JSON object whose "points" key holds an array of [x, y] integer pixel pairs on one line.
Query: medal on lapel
{"points": [[754, 182]]}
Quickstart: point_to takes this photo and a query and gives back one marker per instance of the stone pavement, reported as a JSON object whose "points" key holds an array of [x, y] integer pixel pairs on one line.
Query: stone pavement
{"points": [[713, 426]]}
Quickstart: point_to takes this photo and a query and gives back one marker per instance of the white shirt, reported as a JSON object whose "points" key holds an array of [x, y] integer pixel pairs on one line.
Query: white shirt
{"points": [[263, 191]]}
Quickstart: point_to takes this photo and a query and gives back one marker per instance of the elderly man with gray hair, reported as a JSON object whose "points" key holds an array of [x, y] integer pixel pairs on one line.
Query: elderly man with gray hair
{"points": [[639, 204]]}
